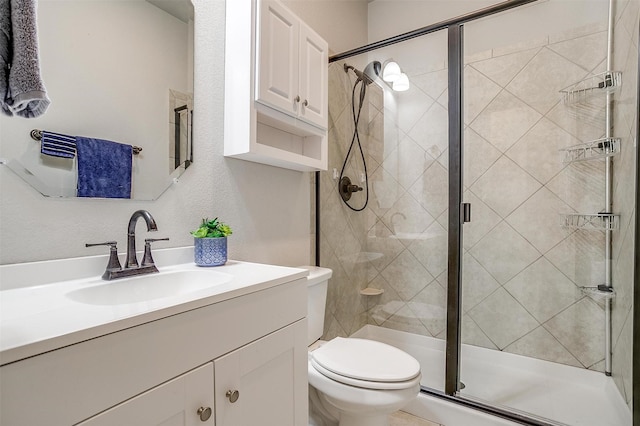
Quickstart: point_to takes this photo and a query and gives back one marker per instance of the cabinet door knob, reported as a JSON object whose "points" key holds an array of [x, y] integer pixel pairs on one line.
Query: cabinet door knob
{"points": [[204, 413], [297, 98], [305, 103], [233, 395]]}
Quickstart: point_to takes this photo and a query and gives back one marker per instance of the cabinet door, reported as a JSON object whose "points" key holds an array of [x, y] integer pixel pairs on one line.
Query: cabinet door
{"points": [[277, 71], [270, 376], [314, 67], [175, 403]]}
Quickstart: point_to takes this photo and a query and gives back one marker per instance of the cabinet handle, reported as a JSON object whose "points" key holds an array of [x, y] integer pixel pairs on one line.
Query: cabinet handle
{"points": [[204, 413], [233, 395], [297, 98], [305, 103]]}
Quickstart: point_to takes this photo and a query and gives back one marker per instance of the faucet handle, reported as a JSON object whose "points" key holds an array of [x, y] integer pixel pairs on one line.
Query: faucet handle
{"points": [[113, 244], [147, 259], [114, 262], [151, 240]]}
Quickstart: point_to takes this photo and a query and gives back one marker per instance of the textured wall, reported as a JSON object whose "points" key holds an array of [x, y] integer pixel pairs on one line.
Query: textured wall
{"points": [[625, 124], [267, 207]]}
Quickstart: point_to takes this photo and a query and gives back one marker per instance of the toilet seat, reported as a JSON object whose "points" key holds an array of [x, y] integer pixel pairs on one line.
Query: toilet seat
{"points": [[366, 363]]}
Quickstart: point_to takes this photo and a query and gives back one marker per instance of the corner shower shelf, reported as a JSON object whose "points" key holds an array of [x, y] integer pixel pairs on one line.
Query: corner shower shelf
{"points": [[597, 222], [599, 148], [597, 293], [371, 291], [607, 81]]}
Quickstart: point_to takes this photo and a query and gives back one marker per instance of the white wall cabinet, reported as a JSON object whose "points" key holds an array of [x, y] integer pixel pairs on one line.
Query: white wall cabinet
{"points": [[276, 87], [292, 65], [162, 372]]}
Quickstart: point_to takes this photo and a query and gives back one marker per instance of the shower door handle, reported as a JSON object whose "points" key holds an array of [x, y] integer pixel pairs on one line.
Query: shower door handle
{"points": [[465, 209]]}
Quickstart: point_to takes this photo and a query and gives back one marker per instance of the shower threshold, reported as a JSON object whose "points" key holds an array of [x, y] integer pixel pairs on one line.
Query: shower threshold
{"points": [[564, 394]]}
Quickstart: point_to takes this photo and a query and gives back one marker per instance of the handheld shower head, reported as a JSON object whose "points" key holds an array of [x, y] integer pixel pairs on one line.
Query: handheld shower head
{"points": [[371, 72]]}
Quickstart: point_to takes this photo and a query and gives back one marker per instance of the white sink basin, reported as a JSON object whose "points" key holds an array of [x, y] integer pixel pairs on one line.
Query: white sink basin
{"points": [[148, 287], [48, 305]]}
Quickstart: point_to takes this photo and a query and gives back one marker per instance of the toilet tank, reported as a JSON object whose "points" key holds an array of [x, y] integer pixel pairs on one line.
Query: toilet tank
{"points": [[317, 283]]}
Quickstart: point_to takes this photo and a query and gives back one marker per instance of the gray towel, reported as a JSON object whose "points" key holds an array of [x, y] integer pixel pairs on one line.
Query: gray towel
{"points": [[26, 95], [5, 52]]}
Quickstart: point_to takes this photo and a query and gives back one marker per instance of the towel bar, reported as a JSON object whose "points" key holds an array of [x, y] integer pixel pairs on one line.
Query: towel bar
{"points": [[36, 135]]}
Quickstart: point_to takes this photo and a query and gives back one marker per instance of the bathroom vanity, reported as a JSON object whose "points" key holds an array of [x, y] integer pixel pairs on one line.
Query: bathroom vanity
{"points": [[230, 353]]}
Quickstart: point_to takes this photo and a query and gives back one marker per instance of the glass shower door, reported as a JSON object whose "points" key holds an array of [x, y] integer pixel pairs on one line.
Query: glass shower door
{"points": [[533, 338], [387, 244]]}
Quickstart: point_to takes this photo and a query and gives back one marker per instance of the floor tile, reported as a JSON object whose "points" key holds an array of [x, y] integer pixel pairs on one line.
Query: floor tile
{"points": [[400, 418]]}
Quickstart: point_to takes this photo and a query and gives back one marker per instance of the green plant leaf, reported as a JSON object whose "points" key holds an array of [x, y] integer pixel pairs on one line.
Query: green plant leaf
{"points": [[212, 229]]}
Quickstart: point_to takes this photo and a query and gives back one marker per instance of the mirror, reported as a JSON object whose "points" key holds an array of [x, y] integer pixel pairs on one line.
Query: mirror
{"points": [[115, 70]]}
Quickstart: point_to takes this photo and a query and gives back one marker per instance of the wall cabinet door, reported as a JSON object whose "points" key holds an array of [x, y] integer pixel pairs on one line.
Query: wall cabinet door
{"points": [[264, 383], [278, 57], [175, 403], [292, 65], [313, 79]]}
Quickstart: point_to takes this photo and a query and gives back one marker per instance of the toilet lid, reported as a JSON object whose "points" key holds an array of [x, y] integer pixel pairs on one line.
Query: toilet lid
{"points": [[366, 360]]}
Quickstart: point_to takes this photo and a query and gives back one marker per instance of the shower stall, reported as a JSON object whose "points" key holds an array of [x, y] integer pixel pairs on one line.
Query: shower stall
{"points": [[489, 228]]}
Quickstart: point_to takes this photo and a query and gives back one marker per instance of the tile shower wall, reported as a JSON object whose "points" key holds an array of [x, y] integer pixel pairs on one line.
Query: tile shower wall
{"points": [[343, 242], [521, 269], [625, 124]]}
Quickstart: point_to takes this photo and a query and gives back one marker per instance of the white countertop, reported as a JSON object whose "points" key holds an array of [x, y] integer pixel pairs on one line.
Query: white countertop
{"points": [[43, 317]]}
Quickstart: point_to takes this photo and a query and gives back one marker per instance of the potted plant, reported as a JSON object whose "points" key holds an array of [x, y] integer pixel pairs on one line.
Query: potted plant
{"points": [[210, 243]]}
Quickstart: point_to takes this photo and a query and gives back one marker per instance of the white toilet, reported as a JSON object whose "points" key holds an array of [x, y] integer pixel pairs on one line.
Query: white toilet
{"points": [[353, 382]]}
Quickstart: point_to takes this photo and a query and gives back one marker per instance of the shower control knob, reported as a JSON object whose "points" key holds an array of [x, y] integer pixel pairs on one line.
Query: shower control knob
{"points": [[204, 413], [346, 188], [233, 395]]}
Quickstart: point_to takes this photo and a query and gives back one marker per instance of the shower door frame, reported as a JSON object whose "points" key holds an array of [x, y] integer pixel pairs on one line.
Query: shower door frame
{"points": [[455, 44], [635, 386]]}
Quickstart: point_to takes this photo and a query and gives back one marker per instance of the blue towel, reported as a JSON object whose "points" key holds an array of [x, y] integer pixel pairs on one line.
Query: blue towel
{"points": [[58, 145], [104, 168]]}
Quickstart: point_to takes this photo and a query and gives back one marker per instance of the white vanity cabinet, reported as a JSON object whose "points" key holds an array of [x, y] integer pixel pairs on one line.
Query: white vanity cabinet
{"points": [[276, 87], [184, 401], [260, 383], [292, 65], [169, 371]]}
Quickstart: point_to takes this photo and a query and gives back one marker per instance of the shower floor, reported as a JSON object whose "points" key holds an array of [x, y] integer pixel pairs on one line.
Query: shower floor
{"points": [[564, 394]]}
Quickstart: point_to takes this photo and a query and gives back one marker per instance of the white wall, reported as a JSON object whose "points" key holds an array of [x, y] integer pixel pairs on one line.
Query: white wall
{"points": [[267, 207], [342, 23]]}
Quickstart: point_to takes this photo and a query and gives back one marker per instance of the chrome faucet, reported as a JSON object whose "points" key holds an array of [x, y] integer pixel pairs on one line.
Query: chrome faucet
{"points": [[132, 260], [131, 267]]}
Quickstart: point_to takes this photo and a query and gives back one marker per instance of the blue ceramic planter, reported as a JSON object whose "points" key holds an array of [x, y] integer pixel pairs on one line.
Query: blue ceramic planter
{"points": [[210, 251]]}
